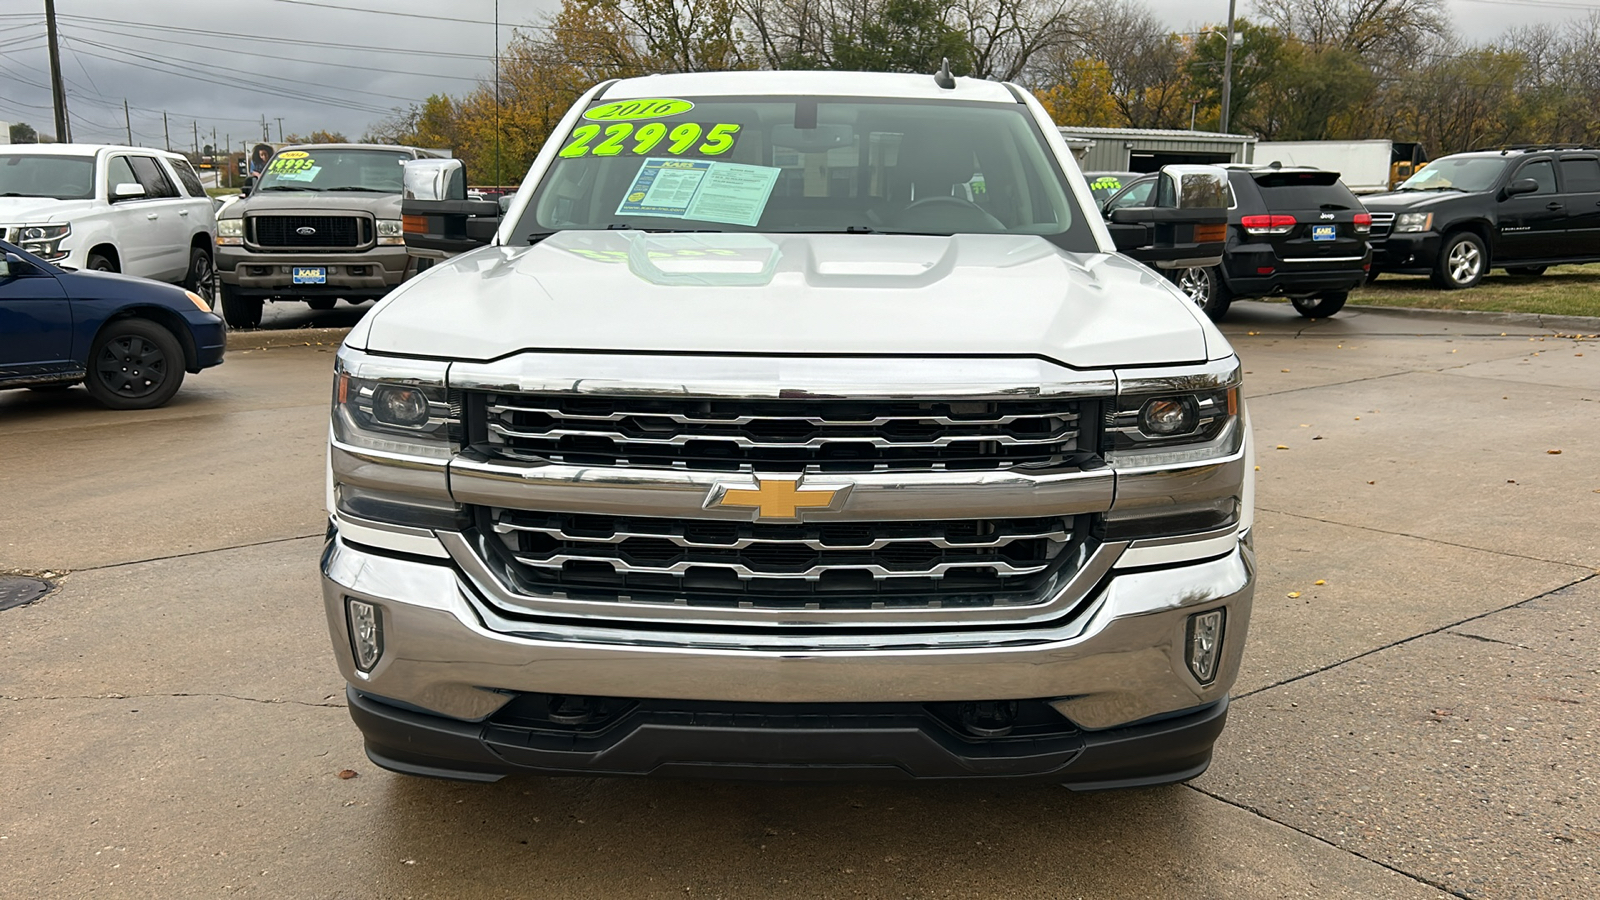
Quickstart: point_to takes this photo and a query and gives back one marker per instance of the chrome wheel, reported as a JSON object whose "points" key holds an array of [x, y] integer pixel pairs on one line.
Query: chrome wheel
{"points": [[1465, 262], [1196, 285], [202, 279]]}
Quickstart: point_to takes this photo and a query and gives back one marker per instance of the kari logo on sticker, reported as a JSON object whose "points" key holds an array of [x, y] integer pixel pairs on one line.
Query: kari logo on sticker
{"points": [[293, 154], [652, 108]]}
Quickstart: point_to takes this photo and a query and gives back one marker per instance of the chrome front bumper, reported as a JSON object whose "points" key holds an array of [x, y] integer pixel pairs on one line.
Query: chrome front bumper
{"points": [[1118, 658]]}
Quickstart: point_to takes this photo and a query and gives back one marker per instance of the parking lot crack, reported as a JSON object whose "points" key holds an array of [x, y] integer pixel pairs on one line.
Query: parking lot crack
{"points": [[1447, 627], [1322, 840], [1487, 640], [1418, 537], [135, 562], [112, 695]]}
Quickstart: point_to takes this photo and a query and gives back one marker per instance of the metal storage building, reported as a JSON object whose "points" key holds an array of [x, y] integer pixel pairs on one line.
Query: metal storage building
{"points": [[1148, 149]]}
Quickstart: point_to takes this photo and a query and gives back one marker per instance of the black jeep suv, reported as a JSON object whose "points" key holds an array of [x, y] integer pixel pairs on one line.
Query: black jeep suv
{"points": [[1518, 210], [1292, 231]]}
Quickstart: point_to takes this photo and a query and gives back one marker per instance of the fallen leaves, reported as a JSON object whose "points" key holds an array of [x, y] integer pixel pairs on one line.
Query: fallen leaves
{"points": [[347, 774], [1553, 452], [1320, 581], [1294, 595], [1283, 446]]}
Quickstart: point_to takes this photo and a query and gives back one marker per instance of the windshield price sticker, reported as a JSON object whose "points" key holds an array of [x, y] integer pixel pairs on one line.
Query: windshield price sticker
{"points": [[651, 108], [293, 154], [683, 139], [701, 190], [288, 162]]}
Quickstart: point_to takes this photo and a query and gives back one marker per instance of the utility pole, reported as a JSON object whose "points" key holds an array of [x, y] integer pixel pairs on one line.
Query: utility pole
{"points": [[280, 129], [166, 133], [196, 127], [58, 93], [266, 134], [1227, 72], [499, 179], [127, 120]]}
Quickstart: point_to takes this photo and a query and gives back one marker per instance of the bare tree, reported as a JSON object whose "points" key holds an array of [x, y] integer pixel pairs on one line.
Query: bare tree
{"points": [[1006, 36], [1368, 27]]}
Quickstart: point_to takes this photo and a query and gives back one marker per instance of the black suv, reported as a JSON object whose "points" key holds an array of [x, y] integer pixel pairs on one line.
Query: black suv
{"points": [[1518, 210], [1292, 231]]}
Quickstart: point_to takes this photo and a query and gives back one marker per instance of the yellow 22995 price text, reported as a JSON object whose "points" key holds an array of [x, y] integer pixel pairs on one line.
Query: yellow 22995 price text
{"points": [[657, 137]]}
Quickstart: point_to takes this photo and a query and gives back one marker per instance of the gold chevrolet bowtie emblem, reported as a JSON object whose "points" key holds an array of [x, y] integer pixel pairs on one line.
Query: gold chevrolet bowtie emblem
{"points": [[774, 498]]}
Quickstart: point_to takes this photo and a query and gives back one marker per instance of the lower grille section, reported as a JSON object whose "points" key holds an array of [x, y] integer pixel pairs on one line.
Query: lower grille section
{"points": [[820, 566], [1382, 223]]}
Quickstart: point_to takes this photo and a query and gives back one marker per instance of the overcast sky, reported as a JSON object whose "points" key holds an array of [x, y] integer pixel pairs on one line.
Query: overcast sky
{"points": [[223, 66]]}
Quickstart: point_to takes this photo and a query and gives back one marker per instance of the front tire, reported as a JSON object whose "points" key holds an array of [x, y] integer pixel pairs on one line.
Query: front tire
{"points": [[98, 262], [202, 276], [240, 311], [1462, 262], [134, 364], [1321, 306], [1204, 288]]}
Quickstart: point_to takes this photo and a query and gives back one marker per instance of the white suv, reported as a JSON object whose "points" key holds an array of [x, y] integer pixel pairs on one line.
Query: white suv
{"points": [[109, 209]]}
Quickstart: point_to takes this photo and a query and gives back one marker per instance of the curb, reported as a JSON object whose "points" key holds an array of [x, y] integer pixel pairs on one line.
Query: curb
{"points": [[295, 337], [1586, 324]]}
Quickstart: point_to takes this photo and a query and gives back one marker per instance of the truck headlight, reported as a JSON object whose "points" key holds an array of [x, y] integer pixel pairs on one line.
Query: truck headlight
{"points": [[230, 232], [1174, 429], [391, 231], [1412, 222], [44, 241], [392, 406]]}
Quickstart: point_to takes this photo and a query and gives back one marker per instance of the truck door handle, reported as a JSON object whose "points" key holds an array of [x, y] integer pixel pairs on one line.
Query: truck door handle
{"points": [[153, 216], [1552, 205], [183, 212]]}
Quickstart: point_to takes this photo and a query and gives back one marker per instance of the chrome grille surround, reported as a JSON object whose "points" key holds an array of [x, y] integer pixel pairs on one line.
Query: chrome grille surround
{"points": [[1382, 224], [270, 231]]}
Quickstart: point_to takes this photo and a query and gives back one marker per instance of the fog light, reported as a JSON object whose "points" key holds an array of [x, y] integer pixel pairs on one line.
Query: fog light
{"points": [[1205, 644], [366, 633], [404, 406], [1167, 416]]}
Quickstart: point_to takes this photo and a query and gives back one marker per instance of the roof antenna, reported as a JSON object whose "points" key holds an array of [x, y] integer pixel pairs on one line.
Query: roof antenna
{"points": [[943, 78]]}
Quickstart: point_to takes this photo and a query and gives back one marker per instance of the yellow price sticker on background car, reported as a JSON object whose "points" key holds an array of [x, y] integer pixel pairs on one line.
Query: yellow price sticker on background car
{"points": [[293, 154], [683, 139], [300, 163], [650, 108]]}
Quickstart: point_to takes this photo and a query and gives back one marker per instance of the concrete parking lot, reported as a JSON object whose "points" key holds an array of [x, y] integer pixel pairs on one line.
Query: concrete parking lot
{"points": [[1417, 717]]}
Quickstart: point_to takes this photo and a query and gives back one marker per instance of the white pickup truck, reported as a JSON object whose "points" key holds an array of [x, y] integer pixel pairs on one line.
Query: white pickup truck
{"points": [[109, 209]]}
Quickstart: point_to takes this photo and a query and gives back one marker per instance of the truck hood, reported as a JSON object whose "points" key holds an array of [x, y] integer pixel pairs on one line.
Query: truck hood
{"points": [[877, 295], [1405, 201], [35, 210], [382, 206]]}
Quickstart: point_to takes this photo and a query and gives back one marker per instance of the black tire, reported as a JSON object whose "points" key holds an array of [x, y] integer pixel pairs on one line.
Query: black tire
{"points": [[1463, 260], [99, 263], [1527, 271], [240, 311], [202, 277], [322, 304], [134, 364], [1372, 275], [1321, 306], [1204, 288]]}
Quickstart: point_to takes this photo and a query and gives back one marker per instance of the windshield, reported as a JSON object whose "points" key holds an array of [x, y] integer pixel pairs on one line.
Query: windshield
{"points": [[796, 165], [61, 177], [1475, 173], [319, 169]]}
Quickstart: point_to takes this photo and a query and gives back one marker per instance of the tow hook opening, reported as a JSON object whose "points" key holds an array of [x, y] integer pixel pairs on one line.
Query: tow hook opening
{"points": [[988, 718]]}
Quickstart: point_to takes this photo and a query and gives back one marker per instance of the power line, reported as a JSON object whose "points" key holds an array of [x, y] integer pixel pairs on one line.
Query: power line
{"points": [[257, 39]]}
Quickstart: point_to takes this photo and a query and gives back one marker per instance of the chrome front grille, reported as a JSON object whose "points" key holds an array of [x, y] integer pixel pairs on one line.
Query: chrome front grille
{"points": [[1382, 223], [301, 232], [815, 566], [778, 435]]}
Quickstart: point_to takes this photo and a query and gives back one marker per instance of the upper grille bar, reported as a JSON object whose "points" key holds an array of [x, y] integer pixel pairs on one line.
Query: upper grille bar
{"points": [[811, 435]]}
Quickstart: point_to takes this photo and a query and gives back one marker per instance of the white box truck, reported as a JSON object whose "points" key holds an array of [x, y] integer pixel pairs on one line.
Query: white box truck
{"points": [[1363, 166]]}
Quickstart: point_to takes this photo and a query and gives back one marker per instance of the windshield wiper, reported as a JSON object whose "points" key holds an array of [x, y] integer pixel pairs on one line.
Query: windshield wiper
{"points": [[538, 236], [356, 188], [284, 187]]}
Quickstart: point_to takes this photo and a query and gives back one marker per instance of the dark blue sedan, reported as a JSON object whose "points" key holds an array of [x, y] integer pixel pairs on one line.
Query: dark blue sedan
{"points": [[128, 340]]}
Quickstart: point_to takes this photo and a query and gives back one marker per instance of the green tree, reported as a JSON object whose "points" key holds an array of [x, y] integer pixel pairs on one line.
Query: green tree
{"points": [[1257, 54], [23, 133], [904, 36]]}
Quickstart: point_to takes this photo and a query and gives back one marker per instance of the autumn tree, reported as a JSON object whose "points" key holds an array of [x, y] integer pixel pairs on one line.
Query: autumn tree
{"points": [[319, 136]]}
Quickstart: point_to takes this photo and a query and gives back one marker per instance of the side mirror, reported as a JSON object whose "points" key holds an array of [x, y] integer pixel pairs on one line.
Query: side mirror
{"points": [[1188, 225], [248, 186], [1521, 186], [505, 202], [14, 266], [439, 220], [130, 190]]}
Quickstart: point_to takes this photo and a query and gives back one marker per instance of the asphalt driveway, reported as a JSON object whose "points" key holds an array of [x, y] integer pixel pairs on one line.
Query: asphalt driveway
{"points": [[1417, 716]]}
